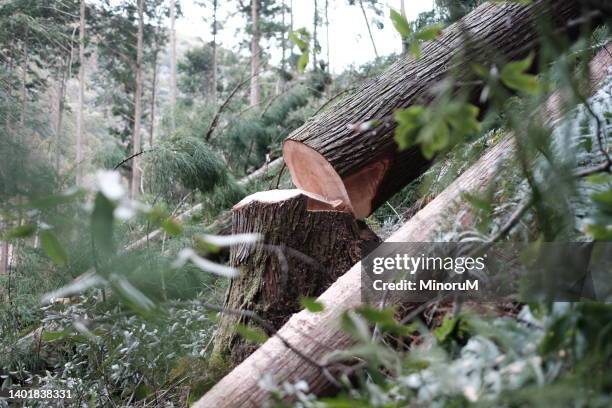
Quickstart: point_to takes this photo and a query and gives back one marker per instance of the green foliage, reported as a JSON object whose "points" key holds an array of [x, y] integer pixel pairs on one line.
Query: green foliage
{"points": [[312, 305], [414, 35], [196, 71], [251, 334], [52, 247], [452, 10], [186, 160], [599, 224], [514, 77], [435, 128], [400, 23], [301, 38], [115, 25], [123, 357]]}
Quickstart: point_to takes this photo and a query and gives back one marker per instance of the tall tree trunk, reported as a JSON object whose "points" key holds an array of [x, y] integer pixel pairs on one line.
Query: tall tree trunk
{"points": [[59, 120], [4, 253], [364, 169], [327, 34], [316, 334], [136, 139], [81, 97], [315, 41], [284, 39], [403, 12], [24, 79], [153, 99], [291, 23], [305, 246], [9, 97], [4, 245], [365, 17], [4, 250], [255, 54], [280, 82], [213, 92], [173, 86]]}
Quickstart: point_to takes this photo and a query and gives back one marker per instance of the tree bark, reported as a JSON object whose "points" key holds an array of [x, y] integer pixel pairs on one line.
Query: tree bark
{"points": [[280, 82], [24, 78], [81, 96], [316, 334], [315, 40], [306, 245], [363, 170], [213, 93], [153, 100], [59, 120], [403, 13], [136, 137], [4, 254], [173, 86], [327, 34], [255, 99]]}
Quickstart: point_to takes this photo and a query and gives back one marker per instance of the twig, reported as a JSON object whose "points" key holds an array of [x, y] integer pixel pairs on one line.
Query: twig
{"points": [[131, 157], [214, 122], [600, 131], [512, 221], [280, 173], [421, 308], [604, 167]]}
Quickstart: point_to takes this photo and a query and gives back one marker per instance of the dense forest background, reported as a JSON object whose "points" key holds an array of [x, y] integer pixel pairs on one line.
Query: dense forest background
{"points": [[123, 147]]}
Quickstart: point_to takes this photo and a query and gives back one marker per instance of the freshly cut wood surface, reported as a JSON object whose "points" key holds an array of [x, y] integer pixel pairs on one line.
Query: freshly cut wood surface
{"points": [[317, 334], [328, 157], [302, 251]]}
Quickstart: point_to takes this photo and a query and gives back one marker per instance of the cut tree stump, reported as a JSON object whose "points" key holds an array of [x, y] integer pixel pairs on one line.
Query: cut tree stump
{"points": [[363, 169], [306, 244], [317, 334]]}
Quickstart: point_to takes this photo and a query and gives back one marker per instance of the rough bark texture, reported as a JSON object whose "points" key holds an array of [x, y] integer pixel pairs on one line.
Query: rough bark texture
{"points": [[316, 334], [301, 253], [366, 169]]}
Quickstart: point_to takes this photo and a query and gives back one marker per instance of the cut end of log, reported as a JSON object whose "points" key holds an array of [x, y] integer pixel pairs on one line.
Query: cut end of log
{"points": [[315, 201], [313, 174]]}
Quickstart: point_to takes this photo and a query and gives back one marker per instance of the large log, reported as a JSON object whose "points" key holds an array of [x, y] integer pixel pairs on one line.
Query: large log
{"points": [[306, 244], [316, 334], [328, 157]]}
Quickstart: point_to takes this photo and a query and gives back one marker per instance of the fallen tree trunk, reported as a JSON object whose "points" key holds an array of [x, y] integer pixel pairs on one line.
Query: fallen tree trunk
{"points": [[329, 157], [316, 334], [306, 245]]}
